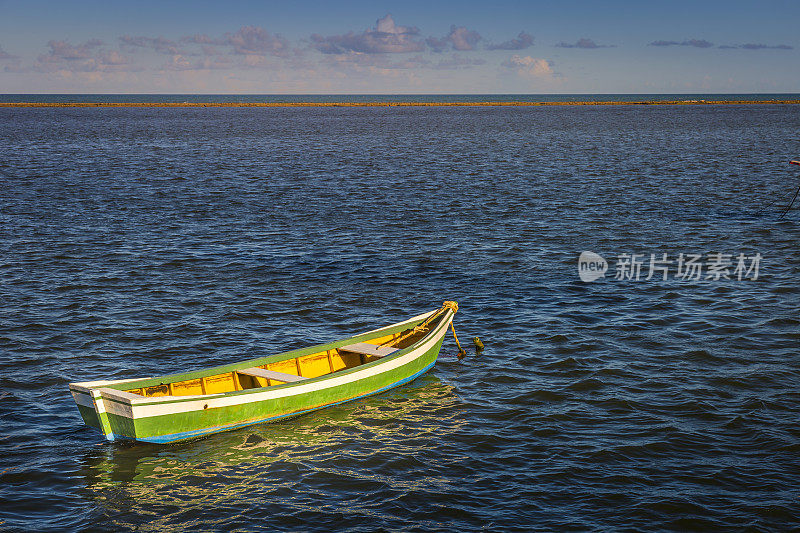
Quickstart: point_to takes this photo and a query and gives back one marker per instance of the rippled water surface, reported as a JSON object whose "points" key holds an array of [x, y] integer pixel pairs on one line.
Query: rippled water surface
{"points": [[138, 242]]}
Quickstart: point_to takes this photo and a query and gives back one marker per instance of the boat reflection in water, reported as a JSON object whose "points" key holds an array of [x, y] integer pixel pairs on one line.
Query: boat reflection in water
{"points": [[356, 448]]}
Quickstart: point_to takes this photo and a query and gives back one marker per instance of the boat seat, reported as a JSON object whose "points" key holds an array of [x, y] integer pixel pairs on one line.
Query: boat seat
{"points": [[364, 348], [270, 374]]}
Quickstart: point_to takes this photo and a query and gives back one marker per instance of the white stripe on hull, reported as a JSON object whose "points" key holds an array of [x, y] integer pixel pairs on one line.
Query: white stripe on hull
{"points": [[143, 410], [132, 406]]}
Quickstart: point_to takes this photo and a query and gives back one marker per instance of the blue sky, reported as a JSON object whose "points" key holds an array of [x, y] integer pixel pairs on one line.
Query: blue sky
{"points": [[399, 47]]}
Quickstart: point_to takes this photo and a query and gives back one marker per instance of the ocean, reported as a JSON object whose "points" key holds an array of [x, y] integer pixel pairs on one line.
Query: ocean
{"points": [[367, 98], [145, 241]]}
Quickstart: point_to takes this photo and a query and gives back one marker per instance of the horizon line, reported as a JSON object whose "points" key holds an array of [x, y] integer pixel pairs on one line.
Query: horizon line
{"points": [[385, 94], [398, 104]]}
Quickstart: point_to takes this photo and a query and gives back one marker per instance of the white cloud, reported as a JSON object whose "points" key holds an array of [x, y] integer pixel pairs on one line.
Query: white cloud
{"points": [[255, 40], [530, 66], [86, 57], [158, 44], [520, 42], [5, 55], [385, 38], [459, 38]]}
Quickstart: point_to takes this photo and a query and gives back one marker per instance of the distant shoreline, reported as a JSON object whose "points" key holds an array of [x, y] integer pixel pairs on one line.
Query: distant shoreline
{"points": [[395, 104]]}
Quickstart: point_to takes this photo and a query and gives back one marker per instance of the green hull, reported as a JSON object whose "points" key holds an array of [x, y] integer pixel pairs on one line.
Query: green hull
{"points": [[175, 418]]}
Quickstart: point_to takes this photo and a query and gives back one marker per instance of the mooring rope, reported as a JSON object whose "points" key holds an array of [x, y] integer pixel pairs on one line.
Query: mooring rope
{"points": [[461, 352], [795, 193], [424, 326]]}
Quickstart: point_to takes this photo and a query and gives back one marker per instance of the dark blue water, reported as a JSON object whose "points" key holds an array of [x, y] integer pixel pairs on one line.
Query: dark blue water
{"points": [[136, 242]]}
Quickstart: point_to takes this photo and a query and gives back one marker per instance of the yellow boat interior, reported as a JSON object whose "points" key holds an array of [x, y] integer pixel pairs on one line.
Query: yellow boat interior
{"points": [[294, 369]]}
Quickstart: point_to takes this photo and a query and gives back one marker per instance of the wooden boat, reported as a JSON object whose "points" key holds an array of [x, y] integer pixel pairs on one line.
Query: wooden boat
{"points": [[176, 407]]}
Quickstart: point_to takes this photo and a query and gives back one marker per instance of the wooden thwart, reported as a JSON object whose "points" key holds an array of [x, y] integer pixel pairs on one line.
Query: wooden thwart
{"points": [[270, 374], [365, 348]]}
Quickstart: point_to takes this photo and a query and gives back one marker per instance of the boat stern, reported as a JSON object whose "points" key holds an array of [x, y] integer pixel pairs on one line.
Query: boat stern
{"points": [[83, 400], [108, 410]]}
